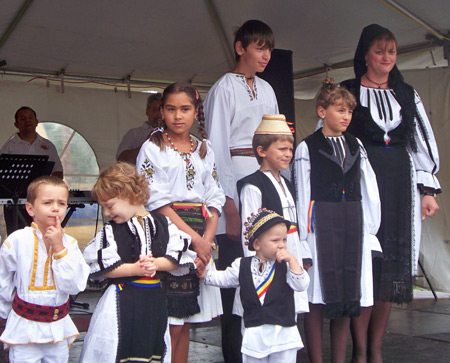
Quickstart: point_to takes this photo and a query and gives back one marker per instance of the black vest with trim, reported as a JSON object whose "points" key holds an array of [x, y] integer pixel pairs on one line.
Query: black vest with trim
{"points": [[327, 177], [269, 194], [278, 307], [129, 245]]}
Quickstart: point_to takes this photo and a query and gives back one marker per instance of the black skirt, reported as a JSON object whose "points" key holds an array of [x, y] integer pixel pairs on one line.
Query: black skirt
{"points": [[392, 274], [338, 229], [143, 323]]}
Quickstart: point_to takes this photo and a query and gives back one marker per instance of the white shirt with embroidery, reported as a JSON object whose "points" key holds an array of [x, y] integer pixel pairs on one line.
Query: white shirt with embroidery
{"points": [[232, 114], [39, 278]]}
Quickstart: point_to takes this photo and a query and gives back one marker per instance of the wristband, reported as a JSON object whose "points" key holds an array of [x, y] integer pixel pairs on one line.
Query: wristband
{"points": [[431, 194]]}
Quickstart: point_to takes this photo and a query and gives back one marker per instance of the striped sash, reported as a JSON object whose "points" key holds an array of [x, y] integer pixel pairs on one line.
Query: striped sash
{"points": [[264, 286]]}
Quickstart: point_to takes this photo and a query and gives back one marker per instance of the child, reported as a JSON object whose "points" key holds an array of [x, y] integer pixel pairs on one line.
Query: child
{"points": [[267, 283], [234, 107], [40, 267], [339, 215], [273, 147], [130, 320], [184, 186]]}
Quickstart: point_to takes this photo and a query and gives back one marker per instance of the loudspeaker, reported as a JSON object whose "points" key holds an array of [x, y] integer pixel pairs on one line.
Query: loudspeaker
{"points": [[279, 74]]}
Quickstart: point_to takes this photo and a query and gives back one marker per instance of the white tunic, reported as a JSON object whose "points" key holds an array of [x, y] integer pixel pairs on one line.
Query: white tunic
{"points": [[232, 114], [251, 201], [263, 340], [40, 146], [134, 138], [371, 222], [39, 278], [171, 181]]}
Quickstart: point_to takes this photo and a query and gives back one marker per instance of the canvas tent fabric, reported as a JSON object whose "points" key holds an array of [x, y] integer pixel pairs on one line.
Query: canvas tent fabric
{"points": [[158, 42]]}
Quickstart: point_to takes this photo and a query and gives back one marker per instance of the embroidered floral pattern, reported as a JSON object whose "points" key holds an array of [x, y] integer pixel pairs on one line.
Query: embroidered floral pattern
{"points": [[215, 175], [148, 170], [190, 174]]}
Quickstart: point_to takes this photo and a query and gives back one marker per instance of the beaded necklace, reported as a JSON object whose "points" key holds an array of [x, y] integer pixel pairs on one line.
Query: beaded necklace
{"points": [[378, 84], [186, 156]]}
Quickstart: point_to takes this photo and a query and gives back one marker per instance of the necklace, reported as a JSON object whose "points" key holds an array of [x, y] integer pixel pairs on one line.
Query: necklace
{"points": [[378, 84], [250, 78], [186, 156]]}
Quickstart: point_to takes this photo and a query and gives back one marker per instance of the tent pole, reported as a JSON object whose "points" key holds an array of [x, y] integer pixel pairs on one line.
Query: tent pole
{"points": [[14, 22], [220, 31]]}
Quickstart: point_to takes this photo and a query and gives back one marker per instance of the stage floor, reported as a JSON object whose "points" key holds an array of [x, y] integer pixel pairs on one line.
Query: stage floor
{"points": [[419, 331]]}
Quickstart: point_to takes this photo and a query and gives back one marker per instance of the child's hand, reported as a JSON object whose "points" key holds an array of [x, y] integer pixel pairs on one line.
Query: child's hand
{"points": [[149, 266], [283, 255], [201, 268], [53, 236], [203, 248]]}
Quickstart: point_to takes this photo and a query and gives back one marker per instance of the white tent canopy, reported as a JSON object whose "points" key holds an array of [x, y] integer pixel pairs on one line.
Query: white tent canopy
{"points": [[48, 44]]}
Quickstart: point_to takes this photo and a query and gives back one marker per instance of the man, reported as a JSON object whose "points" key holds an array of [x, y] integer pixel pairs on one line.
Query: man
{"points": [[234, 107], [28, 142], [134, 138]]}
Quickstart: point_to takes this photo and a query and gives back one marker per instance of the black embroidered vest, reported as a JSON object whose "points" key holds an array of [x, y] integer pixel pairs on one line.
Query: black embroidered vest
{"points": [[328, 179], [129, 245], [269, 194], [278, 307]]}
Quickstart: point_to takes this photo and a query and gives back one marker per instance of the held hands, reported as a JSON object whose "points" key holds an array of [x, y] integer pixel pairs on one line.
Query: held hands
{"points": [[429, 206], [201, 268], [53, 236], [203, 248], [147, 266]]}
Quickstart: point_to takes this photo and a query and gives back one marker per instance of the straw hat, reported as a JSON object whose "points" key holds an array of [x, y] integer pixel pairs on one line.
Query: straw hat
{"points": [[273, 125]]}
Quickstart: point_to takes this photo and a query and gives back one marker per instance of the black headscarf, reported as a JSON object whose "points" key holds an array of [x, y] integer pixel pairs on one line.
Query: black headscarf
{"points": [[404, 93]]}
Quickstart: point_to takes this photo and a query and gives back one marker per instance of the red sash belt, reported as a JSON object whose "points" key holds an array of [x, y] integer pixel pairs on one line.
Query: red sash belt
{"points": [[40, 313]]}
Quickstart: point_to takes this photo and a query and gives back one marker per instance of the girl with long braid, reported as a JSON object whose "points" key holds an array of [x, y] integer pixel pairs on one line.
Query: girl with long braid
{"points": [[184, 186]]}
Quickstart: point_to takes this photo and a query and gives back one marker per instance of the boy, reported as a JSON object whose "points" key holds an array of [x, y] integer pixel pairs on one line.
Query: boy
{"points": [[267, 283], [273, 145], [40, 266], [233, 109]]}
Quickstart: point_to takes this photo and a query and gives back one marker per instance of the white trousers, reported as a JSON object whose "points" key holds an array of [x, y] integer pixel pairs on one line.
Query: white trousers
{"points": [[286, 356], [39, 353]]}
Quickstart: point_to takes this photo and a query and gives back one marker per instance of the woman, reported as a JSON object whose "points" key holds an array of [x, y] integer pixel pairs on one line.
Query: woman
{"points": [[392, 123]]}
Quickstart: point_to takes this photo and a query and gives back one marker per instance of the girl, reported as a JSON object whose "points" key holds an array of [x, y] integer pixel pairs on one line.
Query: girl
{"points": [[267, 283], [130, 320], [184, 186], [339, 215], [392, 123]]}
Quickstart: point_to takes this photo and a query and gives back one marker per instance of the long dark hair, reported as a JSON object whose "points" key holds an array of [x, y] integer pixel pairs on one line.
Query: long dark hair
{"points": [[178, 87]]}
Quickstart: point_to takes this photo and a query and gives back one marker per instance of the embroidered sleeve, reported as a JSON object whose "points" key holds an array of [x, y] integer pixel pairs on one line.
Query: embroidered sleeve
{"points": [[8, 264], [151, 163], [426, 159], [101, 253], [214, 195], [178, 250], [298, 282], [224, 279], [69, 268], [219, 106], [302, 171]]}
